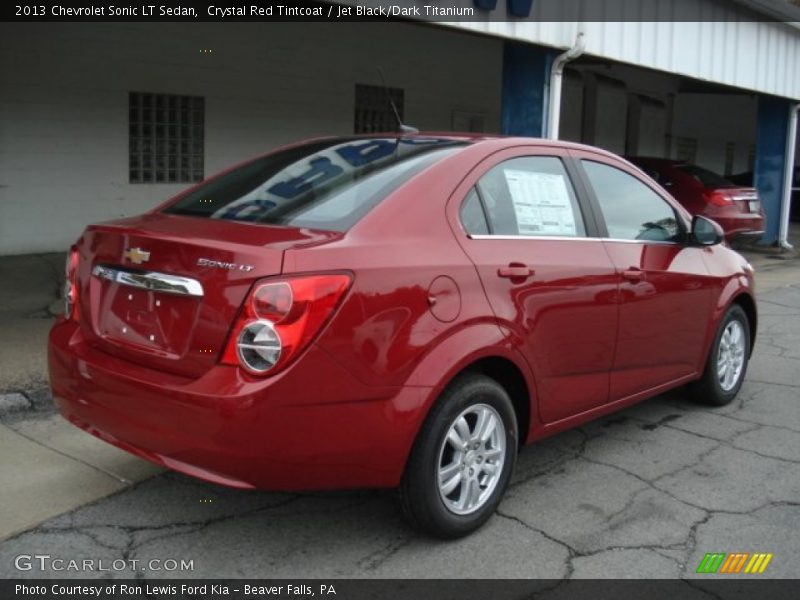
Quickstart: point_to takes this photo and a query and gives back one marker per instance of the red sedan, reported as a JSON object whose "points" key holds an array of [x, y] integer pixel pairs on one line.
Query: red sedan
{"points": [[395, 312], [736, 208]]}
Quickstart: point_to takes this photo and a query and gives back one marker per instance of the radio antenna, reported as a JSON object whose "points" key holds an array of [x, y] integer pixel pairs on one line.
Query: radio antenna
{"points": [[401, 127]]}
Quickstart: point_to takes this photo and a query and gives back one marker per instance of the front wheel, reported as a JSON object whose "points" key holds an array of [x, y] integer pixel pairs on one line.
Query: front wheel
{"points": [[462, 460], [727, 362]]}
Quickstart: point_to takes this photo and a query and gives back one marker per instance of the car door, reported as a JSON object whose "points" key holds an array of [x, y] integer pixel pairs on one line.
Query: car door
{"points": [[665, 287], [548, 278]]}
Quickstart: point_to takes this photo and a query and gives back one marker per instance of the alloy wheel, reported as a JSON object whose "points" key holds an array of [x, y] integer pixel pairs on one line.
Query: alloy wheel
{"points": [[471, 459], [730, 356]]}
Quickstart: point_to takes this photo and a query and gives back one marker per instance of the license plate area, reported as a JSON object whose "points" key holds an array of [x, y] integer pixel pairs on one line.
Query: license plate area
{"points": [[755, 206], [155, 322]]}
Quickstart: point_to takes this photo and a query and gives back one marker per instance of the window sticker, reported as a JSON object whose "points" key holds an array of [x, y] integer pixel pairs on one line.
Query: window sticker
{"points": [[541, 202]]}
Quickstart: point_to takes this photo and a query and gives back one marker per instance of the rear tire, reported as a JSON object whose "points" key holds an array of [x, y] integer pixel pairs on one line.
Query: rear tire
{"points": [[727, 361], [462, 459]]}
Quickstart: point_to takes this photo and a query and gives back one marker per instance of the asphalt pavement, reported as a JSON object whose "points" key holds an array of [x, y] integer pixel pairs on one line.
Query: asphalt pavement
{"points": [[643, 493]]}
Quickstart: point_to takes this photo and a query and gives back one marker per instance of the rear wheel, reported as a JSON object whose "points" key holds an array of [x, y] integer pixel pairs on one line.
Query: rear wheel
{"points": [[462, 460], [727, 362]]}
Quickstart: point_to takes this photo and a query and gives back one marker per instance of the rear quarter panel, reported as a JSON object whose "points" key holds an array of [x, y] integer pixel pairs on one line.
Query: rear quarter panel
{"points": [[392, 319]]}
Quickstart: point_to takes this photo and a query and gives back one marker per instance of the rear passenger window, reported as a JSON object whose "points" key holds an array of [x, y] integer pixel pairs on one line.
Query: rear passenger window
{"points": [[531, 196], [472, 215], [632, 211]]}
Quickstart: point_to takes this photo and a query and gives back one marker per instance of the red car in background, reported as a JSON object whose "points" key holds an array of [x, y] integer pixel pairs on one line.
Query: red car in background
{"points": [[395, 312], [736, 208]]}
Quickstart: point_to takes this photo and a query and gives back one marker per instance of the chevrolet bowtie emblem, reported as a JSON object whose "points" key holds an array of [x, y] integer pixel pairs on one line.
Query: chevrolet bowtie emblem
{"points": [[136, 255]]}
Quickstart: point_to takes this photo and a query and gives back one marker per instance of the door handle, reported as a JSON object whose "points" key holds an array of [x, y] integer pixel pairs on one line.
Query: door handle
{"points": [[515, 271], [634, 274]]}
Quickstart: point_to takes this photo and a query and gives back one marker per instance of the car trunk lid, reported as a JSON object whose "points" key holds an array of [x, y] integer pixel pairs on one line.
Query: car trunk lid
{"points": [[746, 199], [163, 290]]}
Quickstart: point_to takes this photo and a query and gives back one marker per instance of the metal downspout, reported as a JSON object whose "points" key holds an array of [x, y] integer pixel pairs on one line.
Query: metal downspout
{"points": [[556, 78], [788, 179]]}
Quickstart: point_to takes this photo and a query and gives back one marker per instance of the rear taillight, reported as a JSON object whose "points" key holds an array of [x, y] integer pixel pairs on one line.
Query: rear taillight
{"points": [[718, 198], [71, 285], [280, 318]]}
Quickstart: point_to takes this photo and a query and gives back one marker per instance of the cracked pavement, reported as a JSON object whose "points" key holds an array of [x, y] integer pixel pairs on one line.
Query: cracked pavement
{"points": [[644, 493]]}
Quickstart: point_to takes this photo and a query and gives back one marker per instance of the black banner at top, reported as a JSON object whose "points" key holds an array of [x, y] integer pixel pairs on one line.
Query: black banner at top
{"points": [[381, 10]]}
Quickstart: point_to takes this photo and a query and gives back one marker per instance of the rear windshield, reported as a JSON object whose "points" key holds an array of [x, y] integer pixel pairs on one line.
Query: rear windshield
{"points": [[326, 184], [708, 178]]}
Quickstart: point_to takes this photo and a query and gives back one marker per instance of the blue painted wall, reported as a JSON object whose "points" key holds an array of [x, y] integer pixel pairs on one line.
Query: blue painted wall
{"points": [[773, 122], [526, 77]]}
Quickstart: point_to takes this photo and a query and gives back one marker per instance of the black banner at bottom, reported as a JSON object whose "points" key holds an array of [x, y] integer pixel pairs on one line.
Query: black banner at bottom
{"points": [[398, 589]]}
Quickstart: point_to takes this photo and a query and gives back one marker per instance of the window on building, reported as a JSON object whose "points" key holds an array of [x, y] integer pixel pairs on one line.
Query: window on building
{"points": [[166, 138], [373, 112]]}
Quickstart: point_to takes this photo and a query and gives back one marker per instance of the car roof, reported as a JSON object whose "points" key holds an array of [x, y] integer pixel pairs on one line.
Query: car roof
{"points": [[473, 138]]}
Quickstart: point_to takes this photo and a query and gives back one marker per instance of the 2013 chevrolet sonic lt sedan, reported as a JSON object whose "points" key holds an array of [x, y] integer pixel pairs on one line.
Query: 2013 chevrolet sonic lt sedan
{"points": [[395, 312]]}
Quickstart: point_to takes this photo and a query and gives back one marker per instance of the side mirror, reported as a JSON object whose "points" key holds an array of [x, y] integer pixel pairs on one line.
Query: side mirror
{"points": [[706, 232]]}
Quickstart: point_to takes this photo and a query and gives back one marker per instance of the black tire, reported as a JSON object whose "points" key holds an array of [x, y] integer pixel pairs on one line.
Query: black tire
{"points": [[420, 497], [708, 389]]}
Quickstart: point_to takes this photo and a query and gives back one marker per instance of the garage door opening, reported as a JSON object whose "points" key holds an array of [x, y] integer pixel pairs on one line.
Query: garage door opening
{"points": [[697, 139]]}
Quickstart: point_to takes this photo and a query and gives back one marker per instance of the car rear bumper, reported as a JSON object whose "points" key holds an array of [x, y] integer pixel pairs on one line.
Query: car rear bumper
{"points": [[741, 224], [313, 426]]}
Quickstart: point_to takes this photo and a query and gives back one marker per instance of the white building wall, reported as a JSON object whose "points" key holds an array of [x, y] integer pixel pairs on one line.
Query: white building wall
{"points": [[64, 102]]}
